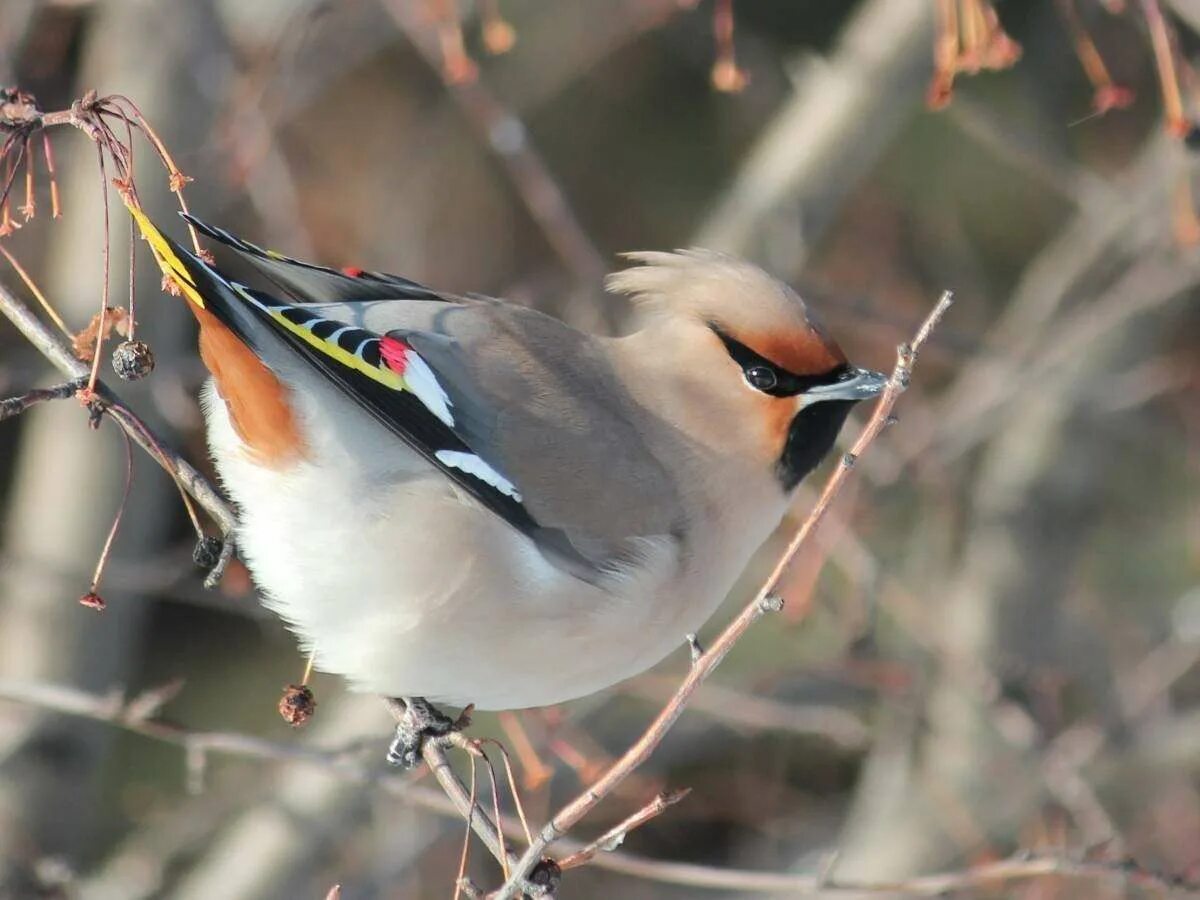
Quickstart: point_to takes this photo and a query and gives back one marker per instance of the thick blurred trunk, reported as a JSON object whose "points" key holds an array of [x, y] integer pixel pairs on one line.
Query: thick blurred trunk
{"points": [[68, 480]]}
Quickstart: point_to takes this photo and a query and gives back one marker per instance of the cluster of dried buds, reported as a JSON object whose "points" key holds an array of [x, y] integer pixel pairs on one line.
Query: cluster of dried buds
{"points": [[20, 122], [498, 37], [970, 40], [24, 128]]}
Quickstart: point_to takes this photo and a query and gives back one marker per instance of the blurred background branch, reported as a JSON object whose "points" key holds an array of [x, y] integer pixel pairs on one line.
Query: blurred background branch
{"points": [[1002, 653]]}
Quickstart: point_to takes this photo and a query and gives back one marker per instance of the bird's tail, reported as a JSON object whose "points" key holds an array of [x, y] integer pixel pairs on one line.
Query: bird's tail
{"points": [[233, 328], [210, 294]]}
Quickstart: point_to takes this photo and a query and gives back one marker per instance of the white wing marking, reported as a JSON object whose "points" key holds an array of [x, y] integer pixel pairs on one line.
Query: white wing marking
{"points": [[474, 465]]}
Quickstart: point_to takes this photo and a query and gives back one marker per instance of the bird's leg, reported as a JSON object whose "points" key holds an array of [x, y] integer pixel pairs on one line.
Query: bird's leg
{"points": [[419, 722]]}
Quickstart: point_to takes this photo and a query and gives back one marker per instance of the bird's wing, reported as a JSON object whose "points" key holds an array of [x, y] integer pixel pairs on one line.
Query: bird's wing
{"points": [[539, 402], [516, 408], [519, 410], [310, 283]]}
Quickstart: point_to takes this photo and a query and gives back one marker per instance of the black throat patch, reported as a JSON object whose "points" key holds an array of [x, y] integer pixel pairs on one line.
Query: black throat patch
{"points": [[810, 437], [814, 429]]}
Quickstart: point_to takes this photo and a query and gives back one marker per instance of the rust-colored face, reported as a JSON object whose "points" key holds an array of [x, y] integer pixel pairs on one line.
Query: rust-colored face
{"points": [[806, 351], [802, 389], [776, 414]]}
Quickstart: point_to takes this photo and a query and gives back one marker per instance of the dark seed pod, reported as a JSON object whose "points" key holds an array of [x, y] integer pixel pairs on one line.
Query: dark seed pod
{"points": [[207, 552], [133, 360], [297, 704], [546, 874], [1191, 138]]}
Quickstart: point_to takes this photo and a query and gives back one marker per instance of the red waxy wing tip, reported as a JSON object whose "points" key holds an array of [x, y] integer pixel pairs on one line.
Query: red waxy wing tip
{"points": [[395, 353]]}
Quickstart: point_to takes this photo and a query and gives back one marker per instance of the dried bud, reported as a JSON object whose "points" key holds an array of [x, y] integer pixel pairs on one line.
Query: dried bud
{"points": [[133, 360], [297, 704], [728, 78], [498, 36], [207, 552], [92, 600], [1112, 96]]}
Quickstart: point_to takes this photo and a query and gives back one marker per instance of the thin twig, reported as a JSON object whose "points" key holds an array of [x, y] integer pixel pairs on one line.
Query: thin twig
{"points": [[38, 295], [615, 836], [13, 406], [434, 754], [56, 350], [115, 528], [766, 601]]}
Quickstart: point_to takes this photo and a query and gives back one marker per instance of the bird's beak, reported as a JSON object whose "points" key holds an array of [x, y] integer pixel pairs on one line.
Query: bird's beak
{"points": [[855, 384]]}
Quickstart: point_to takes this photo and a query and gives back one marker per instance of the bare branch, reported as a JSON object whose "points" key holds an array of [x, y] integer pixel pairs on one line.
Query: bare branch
{"points": [[14, 406], [990, 875], [615, 836]]}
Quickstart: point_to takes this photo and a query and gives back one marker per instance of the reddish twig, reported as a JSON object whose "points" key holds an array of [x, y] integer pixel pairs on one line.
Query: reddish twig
{"points": [[726, 75], [92, 597], [59, 353], [615, 836], [1177, 122]]}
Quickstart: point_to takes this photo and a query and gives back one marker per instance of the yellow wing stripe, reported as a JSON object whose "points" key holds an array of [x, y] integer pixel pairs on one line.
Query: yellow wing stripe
{"points": [[170, 263], [386, 377], [173, 267]]}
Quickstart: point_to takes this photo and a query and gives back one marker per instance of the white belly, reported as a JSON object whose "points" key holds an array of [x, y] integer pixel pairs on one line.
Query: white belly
{"points": [[408, 588]]}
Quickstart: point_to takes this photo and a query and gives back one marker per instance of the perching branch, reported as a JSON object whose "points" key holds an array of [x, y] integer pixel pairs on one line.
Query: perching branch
{"points": [[766, 601]]}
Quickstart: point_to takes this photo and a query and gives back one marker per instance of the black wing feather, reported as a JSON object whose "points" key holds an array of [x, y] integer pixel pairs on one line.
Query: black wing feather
{"points": [[400, 411], [311, 283]]}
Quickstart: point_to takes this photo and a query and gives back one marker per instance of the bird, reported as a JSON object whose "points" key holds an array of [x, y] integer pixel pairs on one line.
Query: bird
{"points": [[454, 499]]}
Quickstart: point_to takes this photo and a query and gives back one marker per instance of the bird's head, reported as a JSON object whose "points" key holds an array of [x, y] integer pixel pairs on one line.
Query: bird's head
{"points": [[760, 345]]}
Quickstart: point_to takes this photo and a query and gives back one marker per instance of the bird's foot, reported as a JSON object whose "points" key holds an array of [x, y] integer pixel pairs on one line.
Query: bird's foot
{"points": [[419, 722]]}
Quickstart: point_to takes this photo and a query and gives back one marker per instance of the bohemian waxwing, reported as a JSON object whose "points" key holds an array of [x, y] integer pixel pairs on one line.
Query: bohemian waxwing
{"points": [[466, 500]]}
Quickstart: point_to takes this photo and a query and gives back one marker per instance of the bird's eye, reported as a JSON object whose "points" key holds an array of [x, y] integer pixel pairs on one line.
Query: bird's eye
{"points": [[761, 378]]}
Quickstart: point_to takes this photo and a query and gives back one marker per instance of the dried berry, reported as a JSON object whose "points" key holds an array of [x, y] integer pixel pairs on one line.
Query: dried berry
{"points": [[207, 552], [1192, 138], [297, 704], [133, 360], [546, 874], [92, 600]]}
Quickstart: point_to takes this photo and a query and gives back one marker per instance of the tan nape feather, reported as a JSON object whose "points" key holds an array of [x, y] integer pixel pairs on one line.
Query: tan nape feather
{"points": [[734, 295]]}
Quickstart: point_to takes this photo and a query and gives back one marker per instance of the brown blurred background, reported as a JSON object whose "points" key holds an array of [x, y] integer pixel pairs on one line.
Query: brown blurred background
{"points": [[999, 649]]}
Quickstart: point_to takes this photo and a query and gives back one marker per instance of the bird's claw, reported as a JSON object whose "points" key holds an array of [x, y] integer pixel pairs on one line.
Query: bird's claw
{"points": [[420, 722]]}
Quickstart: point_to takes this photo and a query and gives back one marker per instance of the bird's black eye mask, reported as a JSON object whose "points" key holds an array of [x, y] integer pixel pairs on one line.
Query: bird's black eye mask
{"points": [[774, 380]]}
